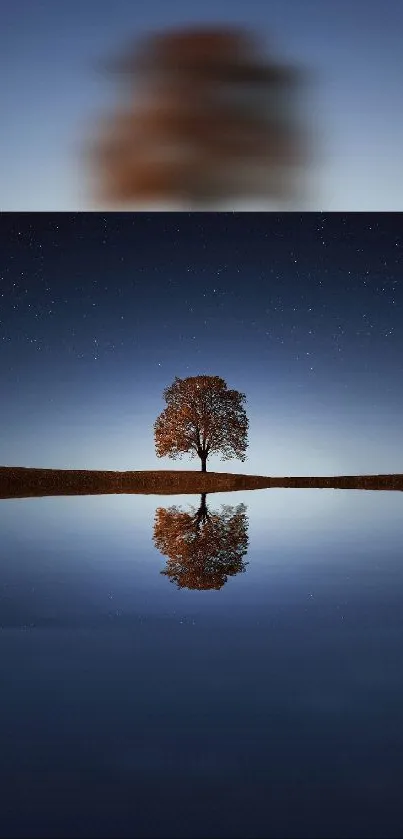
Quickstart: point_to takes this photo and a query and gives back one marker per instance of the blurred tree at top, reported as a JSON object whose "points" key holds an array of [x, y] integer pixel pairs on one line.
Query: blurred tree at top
{"points": [[207, 119]]}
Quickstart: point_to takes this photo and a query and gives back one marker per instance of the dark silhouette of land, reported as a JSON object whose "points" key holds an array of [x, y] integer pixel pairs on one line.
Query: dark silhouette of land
{"points": [[21, 482]]}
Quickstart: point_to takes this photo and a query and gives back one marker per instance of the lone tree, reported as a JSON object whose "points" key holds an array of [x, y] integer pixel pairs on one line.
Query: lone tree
{"points": [[203, 548], [206, 116], [202, 417]]}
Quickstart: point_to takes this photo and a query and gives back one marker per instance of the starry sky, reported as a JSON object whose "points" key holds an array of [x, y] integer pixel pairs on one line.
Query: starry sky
{"points": [[302, 312], [351, 51]]}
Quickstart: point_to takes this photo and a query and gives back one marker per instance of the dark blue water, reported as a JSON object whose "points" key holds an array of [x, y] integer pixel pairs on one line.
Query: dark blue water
{"points": [[267, 702]]}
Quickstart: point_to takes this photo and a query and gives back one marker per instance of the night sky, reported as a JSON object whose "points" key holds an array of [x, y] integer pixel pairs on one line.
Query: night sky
{"points": [[350, 50], [302, 312]]}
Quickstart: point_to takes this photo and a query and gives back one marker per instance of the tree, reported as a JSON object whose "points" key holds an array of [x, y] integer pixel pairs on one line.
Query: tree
{"points": [[207, 119], [203, 548], [202, 417]]}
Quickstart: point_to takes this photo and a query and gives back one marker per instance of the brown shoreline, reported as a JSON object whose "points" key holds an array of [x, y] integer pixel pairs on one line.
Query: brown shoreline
{"points": [[25, 482]]}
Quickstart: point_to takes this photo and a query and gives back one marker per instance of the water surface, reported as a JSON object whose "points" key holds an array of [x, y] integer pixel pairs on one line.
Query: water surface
{"points": [[253, 689]]}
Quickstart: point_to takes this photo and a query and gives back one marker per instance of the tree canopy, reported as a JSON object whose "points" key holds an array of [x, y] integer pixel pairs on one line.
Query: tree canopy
{"points": [[202, 417], [214, 120], [203, 548]]}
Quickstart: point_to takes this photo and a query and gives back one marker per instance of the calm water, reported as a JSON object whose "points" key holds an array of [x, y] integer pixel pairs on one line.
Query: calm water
{"points": [[268, 702]]}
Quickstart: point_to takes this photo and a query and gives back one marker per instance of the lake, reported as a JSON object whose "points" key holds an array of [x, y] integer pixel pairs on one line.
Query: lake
{"points": [[253, 689]]}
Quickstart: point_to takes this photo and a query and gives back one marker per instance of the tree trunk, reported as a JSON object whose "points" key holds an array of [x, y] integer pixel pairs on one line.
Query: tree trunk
{"points": [[203, 458], [203, 506]]}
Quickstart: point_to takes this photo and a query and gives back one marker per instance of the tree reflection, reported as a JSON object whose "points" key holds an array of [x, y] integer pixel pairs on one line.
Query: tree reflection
{"points": [[204, 548]]}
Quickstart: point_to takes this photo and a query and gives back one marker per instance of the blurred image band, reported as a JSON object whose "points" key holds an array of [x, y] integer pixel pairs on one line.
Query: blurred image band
{"points": [[276, 106]]}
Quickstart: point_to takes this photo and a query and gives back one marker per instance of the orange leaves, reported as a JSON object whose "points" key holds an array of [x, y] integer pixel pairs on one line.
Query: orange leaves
{"points": [[206, 116], [202, 415], [203, 548]]}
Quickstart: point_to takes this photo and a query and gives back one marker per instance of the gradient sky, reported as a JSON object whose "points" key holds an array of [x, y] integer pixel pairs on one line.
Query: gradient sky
{"points": [[54, 92], [302, 312]]}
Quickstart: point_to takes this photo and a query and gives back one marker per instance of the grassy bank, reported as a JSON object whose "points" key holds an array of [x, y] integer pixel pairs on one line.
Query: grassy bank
{"points": [[19, 482]]}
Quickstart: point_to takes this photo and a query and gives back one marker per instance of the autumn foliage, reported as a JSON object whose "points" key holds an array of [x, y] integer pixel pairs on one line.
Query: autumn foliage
{"points": [[202, 417], [207, 119], [203, 548]]}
